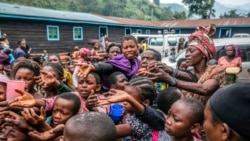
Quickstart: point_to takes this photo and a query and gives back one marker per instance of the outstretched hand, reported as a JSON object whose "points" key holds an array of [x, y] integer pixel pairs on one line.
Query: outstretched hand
{"points": [[25, 100], [48, 135], [84, 69], [32, 118], [118, 96], [46, 79]]}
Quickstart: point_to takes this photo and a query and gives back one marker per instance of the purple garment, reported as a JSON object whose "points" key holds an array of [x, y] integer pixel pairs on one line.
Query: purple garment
{"points": [[128, 67], [4, 59]]}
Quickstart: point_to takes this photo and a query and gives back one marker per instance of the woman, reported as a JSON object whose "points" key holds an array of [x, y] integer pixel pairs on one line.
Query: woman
{"points": [[204, 79], [232, 59], [113, 50]]}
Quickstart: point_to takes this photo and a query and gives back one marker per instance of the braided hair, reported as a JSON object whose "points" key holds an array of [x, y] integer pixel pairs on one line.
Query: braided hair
{"points": [[146, 86]]}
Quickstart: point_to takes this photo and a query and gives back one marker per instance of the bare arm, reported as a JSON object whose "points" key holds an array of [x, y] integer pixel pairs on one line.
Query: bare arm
{"points": [[123, 130]]}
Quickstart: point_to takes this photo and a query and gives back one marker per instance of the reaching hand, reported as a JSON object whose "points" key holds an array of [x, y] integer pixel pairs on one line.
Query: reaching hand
{"points": [[31, 117], [92, 102], [118, 96], [16, 120], [25, 100], [84, 69], [3, 106], [48, 135], [46, 79]]}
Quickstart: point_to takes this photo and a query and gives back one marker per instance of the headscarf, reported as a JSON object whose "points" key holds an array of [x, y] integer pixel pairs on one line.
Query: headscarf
{"points": [[237, 52], [202, 41], [84, 52]]}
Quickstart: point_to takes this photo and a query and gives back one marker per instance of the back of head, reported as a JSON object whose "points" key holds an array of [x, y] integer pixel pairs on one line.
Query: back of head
{"points": [[90, 126], [231, 105], [167, 97], [148, 90]]}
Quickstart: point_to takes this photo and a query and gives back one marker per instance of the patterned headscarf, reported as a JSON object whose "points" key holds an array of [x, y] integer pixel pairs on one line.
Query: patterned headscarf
{"points": [[237, 52], [201, 40], [84, 52]]}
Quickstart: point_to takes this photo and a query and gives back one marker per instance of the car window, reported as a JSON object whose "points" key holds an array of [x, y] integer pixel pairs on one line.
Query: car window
{"points": [[172, 41], [156, 41]]}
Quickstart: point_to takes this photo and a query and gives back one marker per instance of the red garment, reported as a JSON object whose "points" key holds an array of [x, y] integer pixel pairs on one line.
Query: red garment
{"points": [[201, 40]]}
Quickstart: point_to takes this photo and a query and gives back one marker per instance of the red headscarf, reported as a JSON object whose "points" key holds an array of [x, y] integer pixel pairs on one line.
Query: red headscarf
{"points": [[201, 40], [84, 52]]}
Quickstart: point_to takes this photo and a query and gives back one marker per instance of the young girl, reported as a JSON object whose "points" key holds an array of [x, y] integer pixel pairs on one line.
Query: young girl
{"points": [[51, 80], [136, 97], [184, 119], [67, 77], [127, 62], [25, 70], [181, 64]]}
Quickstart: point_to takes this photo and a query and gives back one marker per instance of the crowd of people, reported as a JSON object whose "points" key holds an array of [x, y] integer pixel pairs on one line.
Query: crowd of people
{"points": [[111, 95]]}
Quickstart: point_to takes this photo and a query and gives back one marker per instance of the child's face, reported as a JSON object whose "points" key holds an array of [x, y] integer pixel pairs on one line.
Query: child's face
{"points": [[2, 92], [178, 120], [147, 57], [121, 81], [16, 135], [27, 76], [54, 59], [51, 70], [129, 49], [183, 66], [87, 85], [62, 111], [135, 94]]}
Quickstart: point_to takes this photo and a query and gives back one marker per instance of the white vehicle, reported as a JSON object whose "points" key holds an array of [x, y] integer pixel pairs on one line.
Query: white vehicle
{"points": [[241, 35], [244, 45]]}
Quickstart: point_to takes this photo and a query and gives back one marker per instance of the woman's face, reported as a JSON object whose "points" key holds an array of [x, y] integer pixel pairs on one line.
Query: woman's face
{"points": [[16, 135], [87, 86], [121, 81], [113, 51], [178, 120], [147, 57], [26, 75], [212, 129], [51, 70], [129, 49], [230, 51], [193, 56], [54, 59]]}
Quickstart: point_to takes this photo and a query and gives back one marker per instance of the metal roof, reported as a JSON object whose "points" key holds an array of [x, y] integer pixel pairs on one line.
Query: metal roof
{"points": [[19, 11]]}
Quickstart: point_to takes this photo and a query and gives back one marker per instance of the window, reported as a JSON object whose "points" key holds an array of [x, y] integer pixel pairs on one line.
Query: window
{"points": [[53, 33], [103, 30], [225, 33], [128, 31], [77, 33], [148, 31], [139, 31]]}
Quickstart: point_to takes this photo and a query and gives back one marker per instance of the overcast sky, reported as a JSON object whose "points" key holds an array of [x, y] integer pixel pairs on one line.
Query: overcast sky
{"points": [[231, 2]]}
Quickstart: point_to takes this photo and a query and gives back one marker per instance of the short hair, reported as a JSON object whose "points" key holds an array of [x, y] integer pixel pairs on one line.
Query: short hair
{"points": [[56, 56], [95, 125], [146, 86], [166, 98], [113, 45], [57, 68], [27, 64], [181, 60], [196, 109], [72, 97], [128, 37], [157, 54], [112, 78]]}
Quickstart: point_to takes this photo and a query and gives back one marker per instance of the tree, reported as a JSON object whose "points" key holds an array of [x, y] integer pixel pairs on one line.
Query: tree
{"points": [[232, 14], [180, 15], [203, 8]]}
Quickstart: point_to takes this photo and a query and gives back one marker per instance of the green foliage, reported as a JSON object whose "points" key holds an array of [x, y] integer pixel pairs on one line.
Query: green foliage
{"points": [[135, 9], [203, 8], [233, 14]]}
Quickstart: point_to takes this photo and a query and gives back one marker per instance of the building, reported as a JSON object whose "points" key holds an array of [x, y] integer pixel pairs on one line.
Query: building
{"points": [[59, 31]]}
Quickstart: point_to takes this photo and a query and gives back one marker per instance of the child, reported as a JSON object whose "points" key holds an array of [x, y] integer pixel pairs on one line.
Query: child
{"points": [[181, 64], [184, 119], [66, 106], [25, 70], [136, 98], [167, 97], [3, 87], [91, 126]]}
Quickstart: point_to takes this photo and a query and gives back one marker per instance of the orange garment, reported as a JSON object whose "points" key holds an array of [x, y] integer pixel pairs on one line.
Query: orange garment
{"points": [[236, 62]]}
